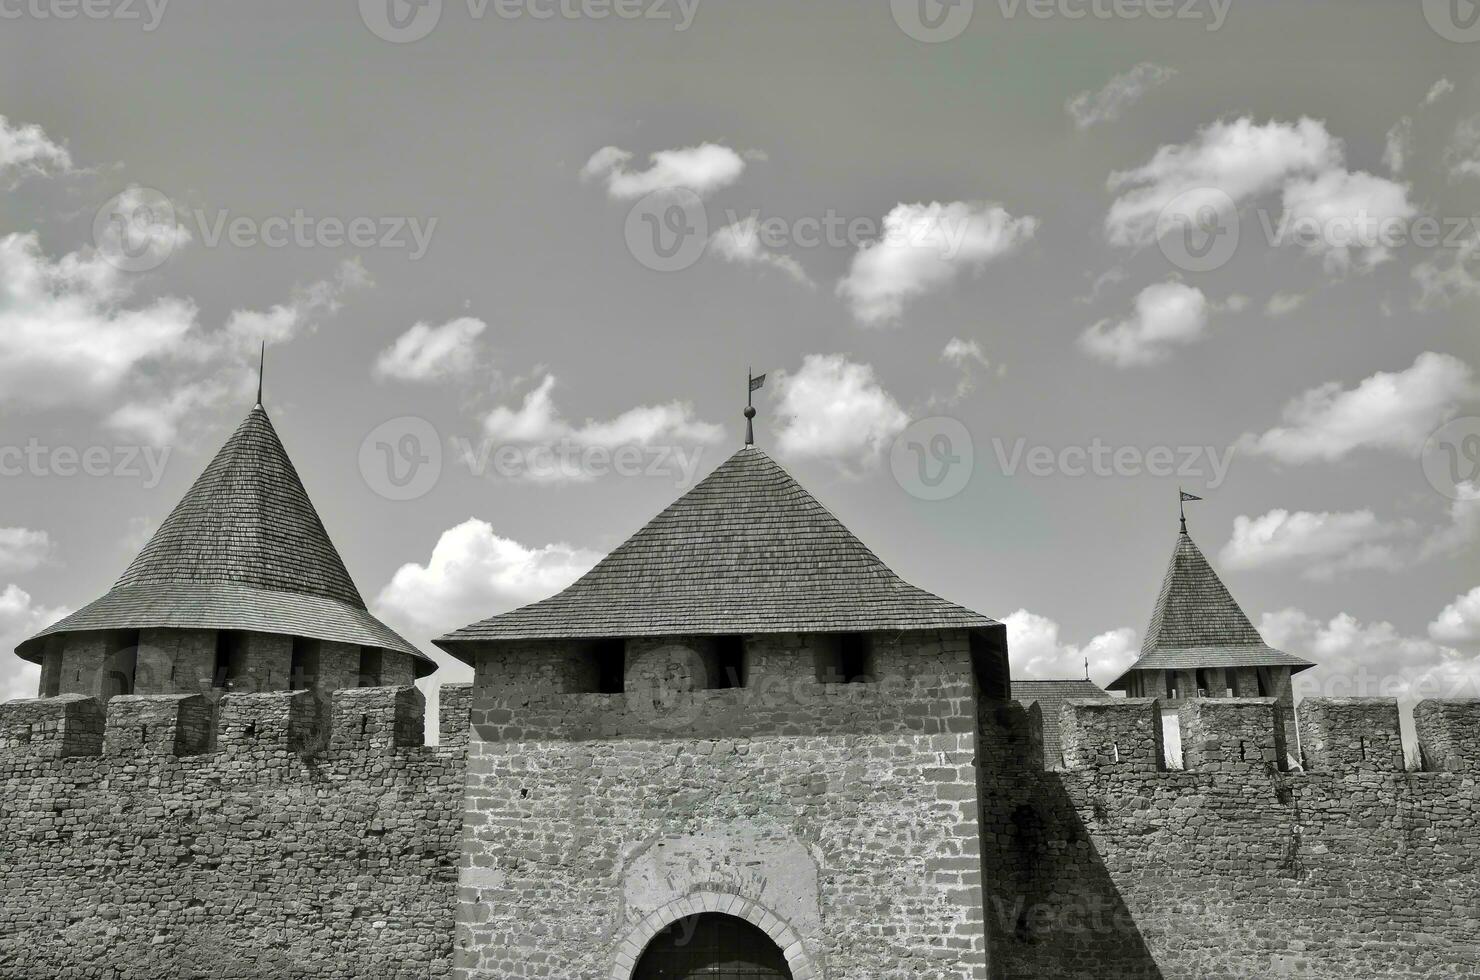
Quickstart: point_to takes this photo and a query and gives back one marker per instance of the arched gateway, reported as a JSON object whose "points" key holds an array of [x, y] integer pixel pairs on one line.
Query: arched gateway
{"points": [[712, 946]]}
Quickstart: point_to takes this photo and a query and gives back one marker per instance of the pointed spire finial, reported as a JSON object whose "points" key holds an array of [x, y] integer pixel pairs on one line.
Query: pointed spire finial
{"points": [[1182, 506], [261, 367], [753, 383]]}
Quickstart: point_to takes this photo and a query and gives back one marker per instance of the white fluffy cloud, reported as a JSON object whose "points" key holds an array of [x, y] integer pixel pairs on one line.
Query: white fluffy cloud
{"points": [[538, 424], [835, 409], [1448, 278], [1318, 543], [702, 169], [26, 149], [1400, 138], [22, 549], [924, 247], [1332, 212], [740, 243], [1462, 156], [20, 618], [1389, 410], [1373, 659], [1167, 315], [1118, 95], [474, 573], [1459, 622], [1283, 304], [1037, 653], [428, 353]]}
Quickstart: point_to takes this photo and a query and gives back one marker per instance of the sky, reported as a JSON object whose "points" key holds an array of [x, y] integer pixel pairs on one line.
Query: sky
{"points": [[1015, 270]]}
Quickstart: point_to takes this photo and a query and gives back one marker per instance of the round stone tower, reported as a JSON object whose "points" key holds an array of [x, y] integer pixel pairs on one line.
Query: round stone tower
{"points": [[239, 589]]}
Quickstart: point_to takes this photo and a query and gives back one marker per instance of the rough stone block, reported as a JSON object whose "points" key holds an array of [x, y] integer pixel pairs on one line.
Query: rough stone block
{"points": [[1449, 735], [396, 669], [1351, 735], [1231, 734], [175, 661], [281, 720], [377, 718], [67, 725], [1112, 733], [157, 724], [454, 703]]}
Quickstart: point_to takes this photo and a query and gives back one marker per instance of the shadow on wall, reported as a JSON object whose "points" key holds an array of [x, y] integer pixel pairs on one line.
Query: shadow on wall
{"points": [[1053, 909]]}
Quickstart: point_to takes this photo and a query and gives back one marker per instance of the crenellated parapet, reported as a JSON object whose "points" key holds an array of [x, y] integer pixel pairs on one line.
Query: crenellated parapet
{"points": [[1345, 735], [1233, 735], [365, 721], [1123, 734], [1449, 735]]}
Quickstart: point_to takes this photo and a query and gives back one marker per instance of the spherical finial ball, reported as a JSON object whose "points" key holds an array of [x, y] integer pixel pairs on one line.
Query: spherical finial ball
{"points": [[749, 412]]}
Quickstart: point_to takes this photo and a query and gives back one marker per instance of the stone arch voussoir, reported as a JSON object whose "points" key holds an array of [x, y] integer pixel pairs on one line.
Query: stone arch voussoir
{"points": [[639, 934]]}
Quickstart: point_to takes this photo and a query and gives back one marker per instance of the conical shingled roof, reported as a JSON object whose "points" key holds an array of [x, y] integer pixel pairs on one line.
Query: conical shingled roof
{"points": [[1197, 623], [747, 550], [243, 549]]}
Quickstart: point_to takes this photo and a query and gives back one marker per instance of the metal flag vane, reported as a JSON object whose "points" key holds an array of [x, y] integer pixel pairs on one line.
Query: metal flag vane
{"points": [[261, 366], [754, 383], [1182, 506]]}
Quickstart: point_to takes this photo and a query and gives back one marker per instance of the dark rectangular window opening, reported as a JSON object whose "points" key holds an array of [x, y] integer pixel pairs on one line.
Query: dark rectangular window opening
{"points": [[730, 662], [303, 672], [231, 655], [845, 658], [611, 665], [370, 666], [121, 667]]}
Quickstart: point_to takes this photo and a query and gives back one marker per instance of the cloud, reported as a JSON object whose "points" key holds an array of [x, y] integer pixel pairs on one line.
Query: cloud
{"points": [[1242, 161], [966, 356], [21, 618], [474, 573], [1399, 145], [22, 549], [702, 169], [924, 247], [1167, 315], [834, 409], [427, 353], [1440, 89], [1389, 410], [1037, 653], [1459, 622], [537, 425], [1283, 304], [215, 367], [1118, 95], [1462, 155], [1373, 659], [741, 243], [67, 334], [27, 150], [1323, 544], [1448, 279]]}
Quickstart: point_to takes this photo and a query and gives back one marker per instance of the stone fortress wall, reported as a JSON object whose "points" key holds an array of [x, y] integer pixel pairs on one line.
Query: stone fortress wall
{"points": [[1107, 865], [877, 831], [168, 837]]}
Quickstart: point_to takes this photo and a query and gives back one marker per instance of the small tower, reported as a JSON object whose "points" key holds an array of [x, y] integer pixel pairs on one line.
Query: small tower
{"points": [[1201, 644], [741, 739], [239, 589]]}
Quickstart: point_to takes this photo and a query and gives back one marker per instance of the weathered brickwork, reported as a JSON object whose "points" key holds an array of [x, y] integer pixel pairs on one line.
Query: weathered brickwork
{"points": [[132, 852], [842, 817], [1231, 870]]}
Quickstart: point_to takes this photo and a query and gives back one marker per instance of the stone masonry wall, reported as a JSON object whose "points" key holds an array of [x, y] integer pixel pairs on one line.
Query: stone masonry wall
{"points": [[840, 818], [1233, 869], [133, 854]]}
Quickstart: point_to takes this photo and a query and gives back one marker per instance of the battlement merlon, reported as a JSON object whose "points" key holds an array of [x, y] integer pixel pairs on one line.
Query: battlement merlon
{"points": [[1449, 735], [158, 724], [454, 715], [52, 728], [1231, 734], [1345, 735], [285, 720], [1112, 733], [379, 719]]}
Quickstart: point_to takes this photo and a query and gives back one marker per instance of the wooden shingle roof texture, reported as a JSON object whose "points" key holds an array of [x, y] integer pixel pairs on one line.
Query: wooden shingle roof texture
{"points": [[1197, 623], [243, 549], [747, 550], [1051, 695]]}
